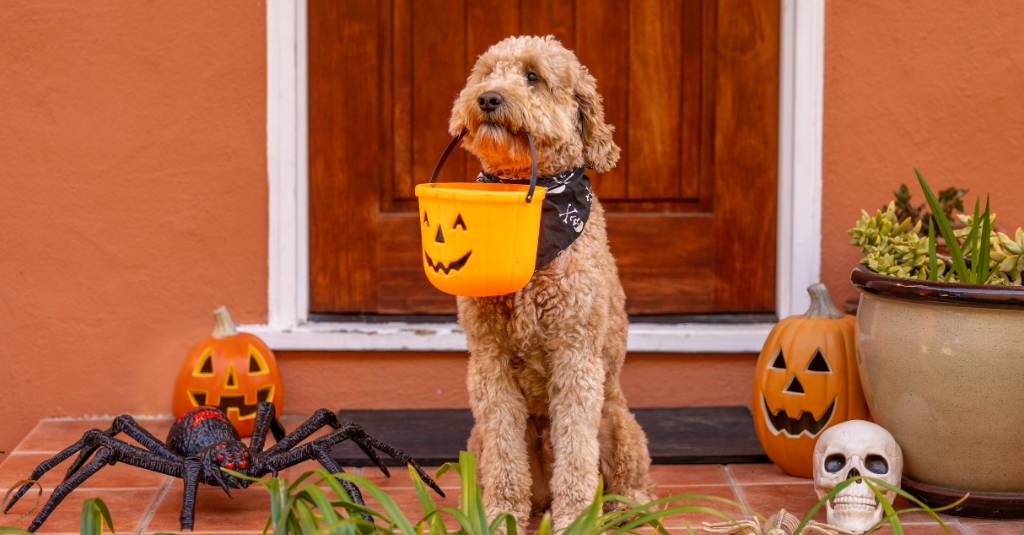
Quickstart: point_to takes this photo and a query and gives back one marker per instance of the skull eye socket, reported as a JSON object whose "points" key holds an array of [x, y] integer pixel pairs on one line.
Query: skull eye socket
{"points": [[818, 363], [834, 463], [780, 362], [459, 223], [876, 464]]}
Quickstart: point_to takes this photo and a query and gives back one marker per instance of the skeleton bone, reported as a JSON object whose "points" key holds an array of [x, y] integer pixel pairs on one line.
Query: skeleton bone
{"points": [[781, 523]]}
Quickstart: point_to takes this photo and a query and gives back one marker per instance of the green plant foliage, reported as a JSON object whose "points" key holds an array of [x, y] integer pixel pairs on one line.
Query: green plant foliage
{"points": [[95, 515], [316, 503], [971, 258], [892, 242], [1007, 258], [893, 247], [951, 200]]}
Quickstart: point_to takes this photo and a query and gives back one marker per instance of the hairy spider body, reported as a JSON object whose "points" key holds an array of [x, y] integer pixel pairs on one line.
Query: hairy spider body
{"points": [[200, 444]]}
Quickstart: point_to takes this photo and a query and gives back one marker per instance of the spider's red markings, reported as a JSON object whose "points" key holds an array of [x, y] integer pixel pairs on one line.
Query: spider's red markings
{"points": [[203, 414]]}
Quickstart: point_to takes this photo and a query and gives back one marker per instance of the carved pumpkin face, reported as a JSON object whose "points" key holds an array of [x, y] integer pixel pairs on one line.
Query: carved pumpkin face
{"points": [[448, 258], [478, 239], [230, 370], [806, 380]]}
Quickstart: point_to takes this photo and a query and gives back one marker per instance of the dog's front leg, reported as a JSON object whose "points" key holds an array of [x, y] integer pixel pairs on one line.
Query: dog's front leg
{"points": [[576, 390], [500, 416]]}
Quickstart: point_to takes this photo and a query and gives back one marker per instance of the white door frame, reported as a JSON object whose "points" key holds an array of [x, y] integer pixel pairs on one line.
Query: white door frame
{"points": [[798, 240]]}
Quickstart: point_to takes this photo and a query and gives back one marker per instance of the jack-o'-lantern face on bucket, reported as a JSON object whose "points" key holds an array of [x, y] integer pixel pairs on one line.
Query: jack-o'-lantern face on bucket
{"points": [[478, 239], [444, 262]]}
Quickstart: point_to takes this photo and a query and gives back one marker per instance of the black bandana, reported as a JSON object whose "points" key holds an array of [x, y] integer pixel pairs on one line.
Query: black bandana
{"points": [[564, 213]]}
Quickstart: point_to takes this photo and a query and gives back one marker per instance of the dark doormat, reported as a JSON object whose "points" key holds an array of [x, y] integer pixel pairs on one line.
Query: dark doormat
{"points": [[690, 435]]}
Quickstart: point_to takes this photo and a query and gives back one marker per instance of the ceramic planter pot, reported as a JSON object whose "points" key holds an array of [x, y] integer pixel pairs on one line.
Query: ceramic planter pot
{"points": [[942, 367]]}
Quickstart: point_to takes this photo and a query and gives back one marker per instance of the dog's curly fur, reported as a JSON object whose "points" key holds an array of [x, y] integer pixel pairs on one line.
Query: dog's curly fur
{"points": [[544, 367]]}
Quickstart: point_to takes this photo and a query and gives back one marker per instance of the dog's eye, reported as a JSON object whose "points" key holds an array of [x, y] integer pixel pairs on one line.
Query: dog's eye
{"points": [[532, 77]]}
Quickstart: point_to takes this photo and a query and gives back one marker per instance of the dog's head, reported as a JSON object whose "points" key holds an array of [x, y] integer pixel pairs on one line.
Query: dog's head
{"points": [[533, 84]]}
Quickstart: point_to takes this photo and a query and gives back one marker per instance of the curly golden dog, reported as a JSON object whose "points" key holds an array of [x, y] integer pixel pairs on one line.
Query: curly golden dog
{"points": [[550, 415]]}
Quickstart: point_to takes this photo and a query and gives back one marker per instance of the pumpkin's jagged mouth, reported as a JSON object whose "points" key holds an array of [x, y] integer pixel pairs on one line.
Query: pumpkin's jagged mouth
{"points": [[245, 411], [780, 422], [454, 266]]}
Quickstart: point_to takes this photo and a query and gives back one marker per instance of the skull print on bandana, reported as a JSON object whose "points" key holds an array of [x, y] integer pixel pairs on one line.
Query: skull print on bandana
{"points": [[564, 214]]}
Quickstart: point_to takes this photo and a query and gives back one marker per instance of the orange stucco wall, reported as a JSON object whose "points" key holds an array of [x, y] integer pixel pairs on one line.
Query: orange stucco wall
{"points": [[926, 83], [133, 192], [132, 196]]}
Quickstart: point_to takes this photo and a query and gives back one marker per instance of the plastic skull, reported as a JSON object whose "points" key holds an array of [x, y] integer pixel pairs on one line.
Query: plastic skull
{"points": [[849, 449]]}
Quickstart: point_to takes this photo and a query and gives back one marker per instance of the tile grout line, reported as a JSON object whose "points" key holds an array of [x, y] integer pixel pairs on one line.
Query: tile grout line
{"points": [[736, 489], [148, 517], [14, 450]]}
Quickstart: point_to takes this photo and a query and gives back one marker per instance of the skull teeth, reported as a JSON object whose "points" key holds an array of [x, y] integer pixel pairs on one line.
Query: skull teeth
{"points": [[854, 503]]}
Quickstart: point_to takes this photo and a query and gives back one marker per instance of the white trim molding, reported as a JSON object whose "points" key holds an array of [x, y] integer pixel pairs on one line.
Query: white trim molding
{"points": [[287, 165], [801, 78], [801, 83], [404, 336]]}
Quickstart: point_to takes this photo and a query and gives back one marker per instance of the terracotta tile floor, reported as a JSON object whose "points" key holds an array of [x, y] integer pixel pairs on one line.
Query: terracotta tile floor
{"points": [[142, 502]]}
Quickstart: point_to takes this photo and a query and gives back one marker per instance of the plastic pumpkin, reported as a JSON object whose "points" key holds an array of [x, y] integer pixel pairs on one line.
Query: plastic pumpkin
{"points": [[806, 381], [479, 239], [230, 370], [469, 236]]}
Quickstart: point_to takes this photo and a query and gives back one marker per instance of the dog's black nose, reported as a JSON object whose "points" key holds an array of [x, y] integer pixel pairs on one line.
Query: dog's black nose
{"points": [[489, 101]]}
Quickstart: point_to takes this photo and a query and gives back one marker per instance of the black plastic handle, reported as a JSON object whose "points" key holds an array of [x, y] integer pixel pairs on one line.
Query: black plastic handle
{"points": [[455, 141]]}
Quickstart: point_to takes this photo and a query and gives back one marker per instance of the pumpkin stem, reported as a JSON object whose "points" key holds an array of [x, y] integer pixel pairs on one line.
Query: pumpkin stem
{"points": [[821, 303], [222, 323]]}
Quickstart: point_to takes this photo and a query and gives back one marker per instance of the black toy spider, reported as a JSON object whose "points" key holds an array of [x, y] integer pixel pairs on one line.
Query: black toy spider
{"points": [[203, 441]]}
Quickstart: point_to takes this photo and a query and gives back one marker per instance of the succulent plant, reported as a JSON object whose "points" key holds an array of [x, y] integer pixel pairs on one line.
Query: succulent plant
{"points": [[1007, 258], [893, 247], [893, 243]]}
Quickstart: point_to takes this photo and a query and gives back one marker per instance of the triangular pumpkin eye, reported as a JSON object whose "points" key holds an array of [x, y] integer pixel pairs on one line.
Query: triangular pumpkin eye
{"points": [[426, 222], [459, 222], [204, 367], [257, 365], [818, 363], [780, 362]]}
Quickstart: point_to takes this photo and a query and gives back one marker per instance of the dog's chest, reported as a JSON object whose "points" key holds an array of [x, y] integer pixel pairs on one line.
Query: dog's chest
{"points": [[530, 321]]}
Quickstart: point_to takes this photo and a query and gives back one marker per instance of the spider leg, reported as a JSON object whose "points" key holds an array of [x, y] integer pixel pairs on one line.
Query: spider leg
{"points": [[356, 434], [103, 457], [110, 451], [127, 425], [46, 466], [366, 442], [188, 503], [372, 454], [266, 420], [314, 423], [325, 460]]}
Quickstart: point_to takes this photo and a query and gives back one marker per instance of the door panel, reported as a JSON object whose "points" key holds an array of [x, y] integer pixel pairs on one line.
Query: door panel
{"points": [[691, 86]]}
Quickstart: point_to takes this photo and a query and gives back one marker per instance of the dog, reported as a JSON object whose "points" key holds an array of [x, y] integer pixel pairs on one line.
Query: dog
{"points": [[550, 416]]}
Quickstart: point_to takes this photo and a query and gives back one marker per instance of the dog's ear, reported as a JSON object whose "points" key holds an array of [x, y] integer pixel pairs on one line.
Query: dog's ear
{"points": [[599, 150]]}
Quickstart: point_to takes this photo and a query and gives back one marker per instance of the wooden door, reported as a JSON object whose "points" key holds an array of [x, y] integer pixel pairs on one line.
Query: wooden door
{"points": [[691, 86]]}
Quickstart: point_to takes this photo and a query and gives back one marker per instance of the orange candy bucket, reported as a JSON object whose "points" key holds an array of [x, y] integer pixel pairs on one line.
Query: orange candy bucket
{"points": [[479, 239]]}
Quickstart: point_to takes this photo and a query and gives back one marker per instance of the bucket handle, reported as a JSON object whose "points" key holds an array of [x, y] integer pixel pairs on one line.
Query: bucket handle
{"points": [[455, 141]]}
